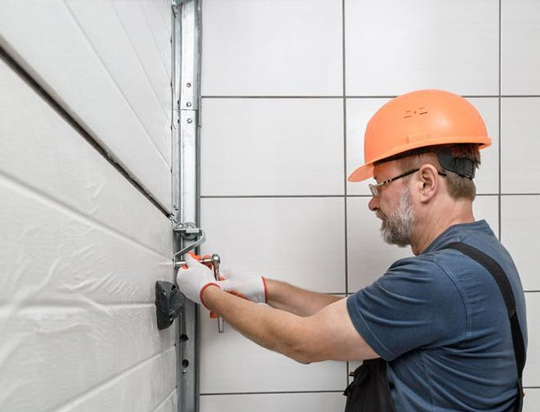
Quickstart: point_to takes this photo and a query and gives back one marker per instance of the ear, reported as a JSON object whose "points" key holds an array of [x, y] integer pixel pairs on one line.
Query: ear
{"points": [[428, 182]]}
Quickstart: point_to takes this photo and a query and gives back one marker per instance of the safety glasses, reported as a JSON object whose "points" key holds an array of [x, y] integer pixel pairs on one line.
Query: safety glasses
{"points": [[375, 189]]}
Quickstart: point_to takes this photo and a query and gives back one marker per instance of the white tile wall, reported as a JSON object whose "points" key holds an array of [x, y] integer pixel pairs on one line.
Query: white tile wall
{"points": [[299, 240], [520, 37], [49, 42], [253, 147], [530, 374], [520, 127], [232, 364], [394, 46], [487, 207], [263, 47], [287, 402], [518, 219], [531, 400]]}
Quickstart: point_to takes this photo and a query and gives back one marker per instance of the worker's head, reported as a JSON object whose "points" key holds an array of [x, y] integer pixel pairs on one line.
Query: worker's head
{"points": [[429, 137], [392, 199]]}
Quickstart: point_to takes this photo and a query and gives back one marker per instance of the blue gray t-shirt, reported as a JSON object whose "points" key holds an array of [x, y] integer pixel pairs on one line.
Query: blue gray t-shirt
{"points": [[441, 322]]}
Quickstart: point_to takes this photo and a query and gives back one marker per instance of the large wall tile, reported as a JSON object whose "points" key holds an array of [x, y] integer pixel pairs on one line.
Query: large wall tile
{"points": [[520, 128], [519, 226], [272, 147], [261, 48], [487, 207], [531, 374], [299, 240], [283, 402], [520, 37], [400, 45], [232, 364], [531, 400]]}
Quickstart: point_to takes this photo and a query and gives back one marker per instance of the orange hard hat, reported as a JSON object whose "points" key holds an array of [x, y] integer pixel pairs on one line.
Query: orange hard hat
{"points": [[416, 120]]}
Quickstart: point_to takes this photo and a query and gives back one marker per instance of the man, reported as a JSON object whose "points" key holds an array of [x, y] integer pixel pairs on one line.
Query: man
{"points": [[438, 318]]}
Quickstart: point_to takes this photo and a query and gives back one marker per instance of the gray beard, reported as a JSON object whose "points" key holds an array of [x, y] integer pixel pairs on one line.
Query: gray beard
{"points": [[397, 228]]}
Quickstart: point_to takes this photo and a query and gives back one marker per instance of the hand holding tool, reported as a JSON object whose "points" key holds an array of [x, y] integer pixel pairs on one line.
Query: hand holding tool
{"points": [[195, 279], [212, 262]]}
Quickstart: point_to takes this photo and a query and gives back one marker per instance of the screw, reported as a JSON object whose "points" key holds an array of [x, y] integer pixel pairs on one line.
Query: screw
{"points": [[190, 120], [188, 104], [188, 84]]}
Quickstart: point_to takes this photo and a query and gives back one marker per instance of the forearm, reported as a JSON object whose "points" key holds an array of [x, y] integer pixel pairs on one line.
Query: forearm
{"points": [[270, 328], [327, 335], [287, 297]]}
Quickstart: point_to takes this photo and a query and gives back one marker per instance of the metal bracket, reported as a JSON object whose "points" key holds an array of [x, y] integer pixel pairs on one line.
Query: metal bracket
{"points": [[190, 232]]}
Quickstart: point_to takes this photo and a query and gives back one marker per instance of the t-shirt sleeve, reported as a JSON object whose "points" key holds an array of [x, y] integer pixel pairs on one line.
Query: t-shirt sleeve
{"points": [[416, 304]]}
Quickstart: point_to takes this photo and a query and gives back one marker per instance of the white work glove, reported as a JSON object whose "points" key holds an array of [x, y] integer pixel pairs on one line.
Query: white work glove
{"points": [[252, 288], [195, 279]]}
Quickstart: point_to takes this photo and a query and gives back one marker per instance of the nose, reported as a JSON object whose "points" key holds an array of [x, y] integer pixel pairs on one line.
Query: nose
{"points": [[373, 204]]}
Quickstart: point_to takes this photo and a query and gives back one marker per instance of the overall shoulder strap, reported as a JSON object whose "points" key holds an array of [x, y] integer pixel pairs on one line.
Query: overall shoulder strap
{"points": [[506, 290]]}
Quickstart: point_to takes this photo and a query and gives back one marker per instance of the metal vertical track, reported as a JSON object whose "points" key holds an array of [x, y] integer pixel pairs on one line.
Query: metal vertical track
{"points": [[185, 176]]}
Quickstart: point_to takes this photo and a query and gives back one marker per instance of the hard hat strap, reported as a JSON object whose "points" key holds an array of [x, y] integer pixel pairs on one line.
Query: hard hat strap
{"points": [[460, 165]]}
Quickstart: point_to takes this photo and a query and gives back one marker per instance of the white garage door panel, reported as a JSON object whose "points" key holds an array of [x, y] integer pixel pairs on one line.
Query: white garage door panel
{"points": [[57, 353], [135, 23], [158, 17], [49, 156], [49, 43], [119, 55], [151, 384], [49, 253]]}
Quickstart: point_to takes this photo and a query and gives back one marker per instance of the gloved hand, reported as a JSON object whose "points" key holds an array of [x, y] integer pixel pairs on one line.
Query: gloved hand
{"points": [[252, 288], [195, 279]]}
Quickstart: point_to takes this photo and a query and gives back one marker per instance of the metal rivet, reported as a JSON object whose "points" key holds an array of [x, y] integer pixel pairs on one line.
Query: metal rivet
{"points": [[188, 104], [188, 84]]}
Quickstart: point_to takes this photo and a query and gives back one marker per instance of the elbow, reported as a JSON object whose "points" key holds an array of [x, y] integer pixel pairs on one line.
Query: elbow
{"points": [[304, 360], [304, 355]]}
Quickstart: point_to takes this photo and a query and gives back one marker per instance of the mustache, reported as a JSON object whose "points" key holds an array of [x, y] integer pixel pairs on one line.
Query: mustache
{"points": [[380, 214]]}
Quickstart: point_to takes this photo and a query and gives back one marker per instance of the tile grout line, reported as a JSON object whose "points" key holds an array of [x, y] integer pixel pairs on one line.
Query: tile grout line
{"points": [[471, 96], [345, 203], [499, 199]]}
